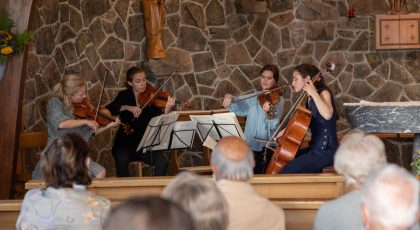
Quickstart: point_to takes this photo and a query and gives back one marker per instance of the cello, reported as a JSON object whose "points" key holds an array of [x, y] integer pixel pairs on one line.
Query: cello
{"points": [[295, 125]]}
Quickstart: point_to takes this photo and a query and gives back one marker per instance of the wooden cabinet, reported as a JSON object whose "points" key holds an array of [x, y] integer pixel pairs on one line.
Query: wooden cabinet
{"points": [[397, 31]]}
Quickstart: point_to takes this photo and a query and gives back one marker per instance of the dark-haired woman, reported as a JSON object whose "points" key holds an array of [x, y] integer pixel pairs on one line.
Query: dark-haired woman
{"points": [[259, 125], [323, 145], [126, 105], [64, 203]]}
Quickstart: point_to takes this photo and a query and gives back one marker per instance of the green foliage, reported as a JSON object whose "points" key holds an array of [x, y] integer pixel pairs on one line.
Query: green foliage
{"points": [[10, 43], [6, 23], [22, 39], [416, 163]]}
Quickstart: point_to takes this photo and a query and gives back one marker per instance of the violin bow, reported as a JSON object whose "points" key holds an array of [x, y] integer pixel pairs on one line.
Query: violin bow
{"points": [[262, 92], [100, 95], [157, 91]]}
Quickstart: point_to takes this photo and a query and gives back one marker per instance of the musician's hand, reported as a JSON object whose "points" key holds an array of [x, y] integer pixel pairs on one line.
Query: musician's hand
{"points": [[115, 123], [135, 110], [310, 89], [169, 104], [227, 100], [267, 106], [92, 124]]}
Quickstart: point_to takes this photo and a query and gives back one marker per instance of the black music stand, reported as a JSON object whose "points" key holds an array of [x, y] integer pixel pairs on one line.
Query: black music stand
{"points": [[217, 126]]}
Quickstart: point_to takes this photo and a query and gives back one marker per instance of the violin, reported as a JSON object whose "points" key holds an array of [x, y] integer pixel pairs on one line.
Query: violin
{"points": [[86, 110], [273, 97], [153, 96]]}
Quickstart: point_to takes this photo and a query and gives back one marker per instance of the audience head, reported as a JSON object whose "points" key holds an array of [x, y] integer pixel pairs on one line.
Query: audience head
{"points": [[148, 213], [201, 198], [390, 199], [64, 161], [232, 159], [357, 154]]}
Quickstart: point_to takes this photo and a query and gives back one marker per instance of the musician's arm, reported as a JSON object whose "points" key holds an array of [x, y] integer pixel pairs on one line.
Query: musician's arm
{"points": [[324, 104], [240, 108]]}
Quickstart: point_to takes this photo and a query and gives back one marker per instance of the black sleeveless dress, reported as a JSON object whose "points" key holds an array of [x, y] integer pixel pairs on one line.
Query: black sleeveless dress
{"points": [[322, 147]]}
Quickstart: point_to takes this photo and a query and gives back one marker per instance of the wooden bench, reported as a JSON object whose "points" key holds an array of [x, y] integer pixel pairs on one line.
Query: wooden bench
{"points": [[276, 187], [299, 214], [9, 212]]}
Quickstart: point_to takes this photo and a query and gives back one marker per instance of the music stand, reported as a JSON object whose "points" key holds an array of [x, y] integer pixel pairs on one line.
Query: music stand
{"points": [[217, 126], [164, 132]]}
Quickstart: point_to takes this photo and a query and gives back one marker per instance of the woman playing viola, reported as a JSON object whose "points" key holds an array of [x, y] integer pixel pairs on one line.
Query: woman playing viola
{"points": [[323, 145], [72, 89], [259, 125], [127, 106]]}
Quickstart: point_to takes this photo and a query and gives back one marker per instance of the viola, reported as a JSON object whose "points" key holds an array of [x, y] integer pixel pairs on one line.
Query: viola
{"points": [[152, 96], [86, 110], [295, 125]]}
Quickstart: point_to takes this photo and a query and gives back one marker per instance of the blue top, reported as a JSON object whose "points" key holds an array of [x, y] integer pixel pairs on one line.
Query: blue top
{"points": [[324, 132], [257, 125]]}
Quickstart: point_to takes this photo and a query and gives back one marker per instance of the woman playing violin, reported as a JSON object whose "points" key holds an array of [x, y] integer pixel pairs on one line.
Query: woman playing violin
{"points": [[131, 112], [323, 145], [72, 89], [262, 117]]}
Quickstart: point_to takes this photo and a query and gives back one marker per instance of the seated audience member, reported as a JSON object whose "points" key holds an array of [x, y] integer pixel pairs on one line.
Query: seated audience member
{"points": [[390, 199], [201, 198], [356, 156], [232, 162], [149, 213], [64, 203]]}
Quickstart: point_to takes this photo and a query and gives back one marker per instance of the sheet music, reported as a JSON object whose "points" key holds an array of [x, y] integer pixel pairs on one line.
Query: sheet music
{"points": [[218, 126], [183, 134], [158, 132]]}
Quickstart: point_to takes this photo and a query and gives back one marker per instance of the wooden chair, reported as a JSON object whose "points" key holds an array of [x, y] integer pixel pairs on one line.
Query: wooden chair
{"points": [[27, 142]]}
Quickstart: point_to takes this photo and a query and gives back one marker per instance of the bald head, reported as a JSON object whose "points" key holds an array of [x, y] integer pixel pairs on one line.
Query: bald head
{"points": [[232, 159], [233, 148]]}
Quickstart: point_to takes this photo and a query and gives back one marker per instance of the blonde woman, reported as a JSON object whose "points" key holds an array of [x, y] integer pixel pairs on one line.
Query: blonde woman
{"points": [[72, 89]]}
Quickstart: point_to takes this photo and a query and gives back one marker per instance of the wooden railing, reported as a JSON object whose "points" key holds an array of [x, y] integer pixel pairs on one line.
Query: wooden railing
{"points": [[276, 187], [300, 195], [299, 214]]}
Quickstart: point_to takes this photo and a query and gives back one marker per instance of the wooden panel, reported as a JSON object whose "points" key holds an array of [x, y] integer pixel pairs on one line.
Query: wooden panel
{"points": [[278, 187], [409, 32], [397, 31], [9, 212], [11, 95], [300, 214], [389, 32]]}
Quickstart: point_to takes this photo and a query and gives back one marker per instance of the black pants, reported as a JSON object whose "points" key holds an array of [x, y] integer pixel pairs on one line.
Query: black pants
{"points": [[156, 159], [262, 158]]}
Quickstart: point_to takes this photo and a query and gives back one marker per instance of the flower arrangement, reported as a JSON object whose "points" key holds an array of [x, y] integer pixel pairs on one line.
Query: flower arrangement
{"points": [[416, 163], [10, 43]]}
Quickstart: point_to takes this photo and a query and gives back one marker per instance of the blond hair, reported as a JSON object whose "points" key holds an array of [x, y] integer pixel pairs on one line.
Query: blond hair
{"points": [[357, 155], [67, 87]]}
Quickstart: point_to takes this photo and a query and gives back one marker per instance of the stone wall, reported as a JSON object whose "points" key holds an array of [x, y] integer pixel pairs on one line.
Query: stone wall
{"points": [[216, 48]]}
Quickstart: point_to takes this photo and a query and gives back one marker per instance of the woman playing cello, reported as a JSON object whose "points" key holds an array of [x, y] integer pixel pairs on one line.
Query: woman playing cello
{"points": [[131, 112], [71, 90], [259, 124], [323, 145]]}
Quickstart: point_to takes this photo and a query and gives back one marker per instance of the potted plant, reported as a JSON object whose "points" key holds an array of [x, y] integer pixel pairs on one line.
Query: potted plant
{"points": [[10, 43]]}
